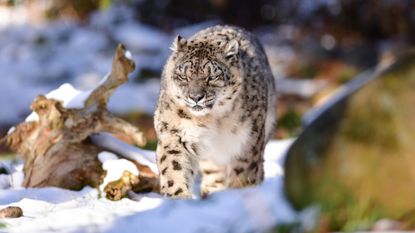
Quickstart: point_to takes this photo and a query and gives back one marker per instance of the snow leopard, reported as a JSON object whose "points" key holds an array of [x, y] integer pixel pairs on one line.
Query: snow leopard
{"points": [[215, 112]]}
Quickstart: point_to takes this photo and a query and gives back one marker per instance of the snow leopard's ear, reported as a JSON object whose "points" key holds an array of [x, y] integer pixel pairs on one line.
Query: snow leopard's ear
{"points": [[178, 44], [231, 48]]}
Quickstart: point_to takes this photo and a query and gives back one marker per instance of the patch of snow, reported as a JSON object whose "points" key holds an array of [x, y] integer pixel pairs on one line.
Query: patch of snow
{"points": [[106, 156], [104, 79], [142, 97], [108, 142], [13, 15], [274, 156], [115, 167], [32, 117], [128, 55], [68, 95], [16, 179], [255, 209], [80, 213], [11, 130], [50, 194]]}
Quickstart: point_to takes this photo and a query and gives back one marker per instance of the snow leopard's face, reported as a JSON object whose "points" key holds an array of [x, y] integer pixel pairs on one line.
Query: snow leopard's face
{"points": [[205, 80]]}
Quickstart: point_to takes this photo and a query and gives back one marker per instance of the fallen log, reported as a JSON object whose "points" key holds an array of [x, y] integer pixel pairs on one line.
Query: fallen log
{"points": [[55, 142]]}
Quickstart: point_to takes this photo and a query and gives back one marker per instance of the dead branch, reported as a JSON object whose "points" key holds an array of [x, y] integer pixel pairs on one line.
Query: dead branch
{"points": [[56, 148]]}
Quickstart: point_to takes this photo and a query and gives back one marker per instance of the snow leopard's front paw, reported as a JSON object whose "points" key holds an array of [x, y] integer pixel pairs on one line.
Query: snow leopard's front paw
{"points": [[176, 192], [176, 172]]}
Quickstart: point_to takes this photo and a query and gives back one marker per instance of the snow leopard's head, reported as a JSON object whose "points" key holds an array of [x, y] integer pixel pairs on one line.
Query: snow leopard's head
{"points": [[203, 76]]}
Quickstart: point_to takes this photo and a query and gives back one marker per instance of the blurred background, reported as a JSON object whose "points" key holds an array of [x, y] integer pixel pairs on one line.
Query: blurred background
{"points": [[313, 46]]}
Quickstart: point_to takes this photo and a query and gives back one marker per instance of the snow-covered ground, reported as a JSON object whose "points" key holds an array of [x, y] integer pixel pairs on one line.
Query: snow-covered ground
{"points": [[254, 209]]}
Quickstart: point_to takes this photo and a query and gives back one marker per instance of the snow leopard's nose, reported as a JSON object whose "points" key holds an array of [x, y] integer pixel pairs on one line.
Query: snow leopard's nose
{"points": [[196, 97]]}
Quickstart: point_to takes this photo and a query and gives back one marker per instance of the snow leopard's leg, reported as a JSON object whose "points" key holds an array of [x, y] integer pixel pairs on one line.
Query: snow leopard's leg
{"points": [[248, 169], [213, 177], [176, 167]]}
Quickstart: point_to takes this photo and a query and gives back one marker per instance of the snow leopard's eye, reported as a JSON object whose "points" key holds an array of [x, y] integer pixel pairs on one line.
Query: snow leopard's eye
{"points": [[180, 78], [213, 78]]}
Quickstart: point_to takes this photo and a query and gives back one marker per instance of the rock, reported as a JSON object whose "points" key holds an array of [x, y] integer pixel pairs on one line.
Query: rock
{"points": [[11, 212], [355, 158]]}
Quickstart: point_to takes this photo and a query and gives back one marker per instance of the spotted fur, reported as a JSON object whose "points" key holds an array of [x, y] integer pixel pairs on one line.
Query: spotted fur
{"points": [[215, 112]]}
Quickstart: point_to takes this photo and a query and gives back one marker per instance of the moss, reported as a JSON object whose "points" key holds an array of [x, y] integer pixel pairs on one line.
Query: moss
{"points": [[371, 120], [151, 145], [290, 120]]}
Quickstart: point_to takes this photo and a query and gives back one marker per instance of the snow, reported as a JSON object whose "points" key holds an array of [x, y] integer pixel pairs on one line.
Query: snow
{"points": [[13, 16], [249, 210], [115, 167], [254, 209], [128, 151], [128, 55], [68, 95], [11, 130], [274, 156], [141, 97]]}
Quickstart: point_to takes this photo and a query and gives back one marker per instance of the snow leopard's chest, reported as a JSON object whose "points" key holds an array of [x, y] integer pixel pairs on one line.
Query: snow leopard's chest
{"points": [[221, 142]]}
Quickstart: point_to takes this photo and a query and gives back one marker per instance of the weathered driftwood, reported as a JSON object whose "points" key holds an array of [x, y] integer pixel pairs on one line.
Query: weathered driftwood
{"points": [[56, 148]]}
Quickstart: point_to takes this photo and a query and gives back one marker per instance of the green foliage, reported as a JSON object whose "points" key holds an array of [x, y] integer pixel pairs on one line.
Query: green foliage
{"points": [[151, 145], [290, 120]]}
